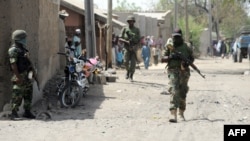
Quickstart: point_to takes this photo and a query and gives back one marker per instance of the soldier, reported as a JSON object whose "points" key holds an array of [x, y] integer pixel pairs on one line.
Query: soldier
{"points": [[178, 73], [23, 73], [131, 37]]}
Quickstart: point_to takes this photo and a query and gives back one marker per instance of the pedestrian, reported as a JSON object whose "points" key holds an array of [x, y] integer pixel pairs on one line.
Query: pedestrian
{"points": [[159, 45], [114, 48], [77, 43], [69, 50], [131, 37], [145, 54], [119, 57], [23, 74], [223, 49], [178, 74], [154, 50]]}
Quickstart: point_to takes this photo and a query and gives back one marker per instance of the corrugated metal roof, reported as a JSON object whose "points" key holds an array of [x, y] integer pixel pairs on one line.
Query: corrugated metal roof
{"points": [[78, 6]]}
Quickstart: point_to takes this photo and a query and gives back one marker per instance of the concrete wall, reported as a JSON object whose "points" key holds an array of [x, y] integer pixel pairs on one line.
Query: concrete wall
{"points": [[5, 36], [40, 20]]}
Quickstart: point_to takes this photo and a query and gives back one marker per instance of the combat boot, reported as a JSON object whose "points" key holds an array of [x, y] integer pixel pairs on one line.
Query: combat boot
{"points": [[28, 114], [14, 115], [181, 115], [131, 76], [173, 116], [127, 75]]}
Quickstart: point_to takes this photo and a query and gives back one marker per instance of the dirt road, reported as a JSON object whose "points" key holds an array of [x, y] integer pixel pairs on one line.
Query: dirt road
{"points": [[125, 111]]}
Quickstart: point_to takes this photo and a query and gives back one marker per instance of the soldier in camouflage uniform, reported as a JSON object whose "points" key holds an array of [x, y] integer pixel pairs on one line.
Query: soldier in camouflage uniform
{"points": [[131, 37], [22, 75], [178, 73]]}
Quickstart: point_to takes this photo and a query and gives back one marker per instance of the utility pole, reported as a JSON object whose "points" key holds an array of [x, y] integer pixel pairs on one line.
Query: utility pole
{"points": [[217, 20], [210, 25], [186, 21], [90, 28], [109, 36], [175, 13]]}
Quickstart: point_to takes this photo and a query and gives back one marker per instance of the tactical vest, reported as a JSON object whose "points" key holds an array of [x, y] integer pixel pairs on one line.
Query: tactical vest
{"points": [[185, 50], [23, 63]]}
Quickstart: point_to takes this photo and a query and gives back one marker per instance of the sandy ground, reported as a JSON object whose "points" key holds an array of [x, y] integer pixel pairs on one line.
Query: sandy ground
{"points": [[125, 111]]}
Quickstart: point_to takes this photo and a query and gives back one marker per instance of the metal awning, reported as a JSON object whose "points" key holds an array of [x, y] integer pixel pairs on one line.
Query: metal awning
{"points": [[78, 6]]}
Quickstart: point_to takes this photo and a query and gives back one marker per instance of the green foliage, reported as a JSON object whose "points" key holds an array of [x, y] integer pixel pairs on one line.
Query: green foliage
{"points": [[195, 30], [123, 5], [165, 4]]}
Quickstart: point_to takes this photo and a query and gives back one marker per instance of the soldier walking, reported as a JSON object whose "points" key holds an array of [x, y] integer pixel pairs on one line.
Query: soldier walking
{"points": [[178, 73], [131, 37]]}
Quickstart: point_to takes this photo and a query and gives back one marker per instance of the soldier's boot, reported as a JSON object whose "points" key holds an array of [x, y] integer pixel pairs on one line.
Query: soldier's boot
{"points": [[131, 76], [173, 117], [127, 75], [181, 115], [14, 115], [28, 114]]}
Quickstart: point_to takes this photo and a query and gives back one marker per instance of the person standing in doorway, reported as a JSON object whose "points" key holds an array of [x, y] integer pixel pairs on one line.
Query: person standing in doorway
{"points": [[130, 35]]}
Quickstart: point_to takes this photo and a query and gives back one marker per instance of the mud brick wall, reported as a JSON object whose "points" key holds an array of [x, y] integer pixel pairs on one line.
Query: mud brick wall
{"points": [[40, 20]]}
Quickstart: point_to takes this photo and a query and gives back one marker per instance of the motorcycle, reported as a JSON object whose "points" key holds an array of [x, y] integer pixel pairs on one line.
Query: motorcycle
{"points": [[91, 68], [70, 89]]}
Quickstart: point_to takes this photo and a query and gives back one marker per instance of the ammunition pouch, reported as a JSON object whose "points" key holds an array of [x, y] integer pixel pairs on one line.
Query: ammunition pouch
{"points": [[23, 64]]}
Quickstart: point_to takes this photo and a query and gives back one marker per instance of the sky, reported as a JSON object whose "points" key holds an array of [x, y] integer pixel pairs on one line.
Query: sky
{"points": [[103, 4]]}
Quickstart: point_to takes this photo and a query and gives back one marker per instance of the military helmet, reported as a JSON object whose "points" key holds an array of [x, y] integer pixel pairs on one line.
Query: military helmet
{"points": [[130, 18], [177, 32], [19, 35]]}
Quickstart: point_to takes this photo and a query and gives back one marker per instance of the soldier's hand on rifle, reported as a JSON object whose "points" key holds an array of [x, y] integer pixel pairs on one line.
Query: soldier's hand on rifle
{"points": [[185, 64], [174, 56], [19, 80]]}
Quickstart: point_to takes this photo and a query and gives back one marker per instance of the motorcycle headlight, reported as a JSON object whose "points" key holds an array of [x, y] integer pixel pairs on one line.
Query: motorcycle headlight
{"points": [[79, 67]]}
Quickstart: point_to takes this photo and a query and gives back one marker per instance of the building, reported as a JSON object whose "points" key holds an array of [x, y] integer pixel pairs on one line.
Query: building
{"points": [[76, 19], [39, 18]]}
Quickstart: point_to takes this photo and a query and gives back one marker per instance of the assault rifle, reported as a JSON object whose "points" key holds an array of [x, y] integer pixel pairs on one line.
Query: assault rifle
{"points": [[189, 62], [183, 58], [32, 71], [34, 74], [131, 45]]}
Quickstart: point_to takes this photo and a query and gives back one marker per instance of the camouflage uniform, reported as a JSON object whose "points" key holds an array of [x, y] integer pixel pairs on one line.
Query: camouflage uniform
{"points": [[178, 75], [21, 91], [131, 34]]}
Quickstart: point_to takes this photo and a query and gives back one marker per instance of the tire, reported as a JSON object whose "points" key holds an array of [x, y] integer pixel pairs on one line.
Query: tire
{"points": [[70, 95], [239, 55], [60, 87], [234, 57]]}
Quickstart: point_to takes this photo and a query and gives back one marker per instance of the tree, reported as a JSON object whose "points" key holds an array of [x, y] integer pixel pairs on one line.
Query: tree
{"points": [[123, 5]]}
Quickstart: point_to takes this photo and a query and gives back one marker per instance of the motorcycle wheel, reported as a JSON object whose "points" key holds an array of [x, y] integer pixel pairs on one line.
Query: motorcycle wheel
{"points": [[70, 95]]}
